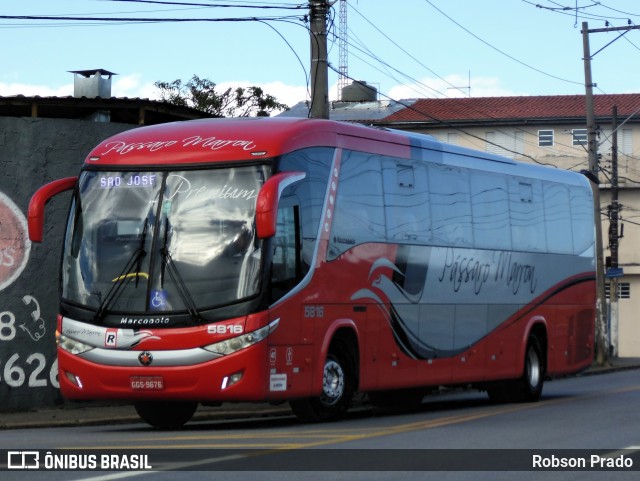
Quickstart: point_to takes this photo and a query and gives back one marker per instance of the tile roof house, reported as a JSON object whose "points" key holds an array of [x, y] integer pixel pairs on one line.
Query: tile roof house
{"points": [[509, 110]]}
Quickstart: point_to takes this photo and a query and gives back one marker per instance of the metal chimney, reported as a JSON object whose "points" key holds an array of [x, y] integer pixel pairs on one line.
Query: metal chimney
{"points": [[92, 83]]}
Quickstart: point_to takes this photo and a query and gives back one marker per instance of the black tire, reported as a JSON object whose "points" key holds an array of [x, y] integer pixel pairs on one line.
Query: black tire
{"points": [[338, 387], [534, 372], [528, 388], [397, 401], [166, 414]]}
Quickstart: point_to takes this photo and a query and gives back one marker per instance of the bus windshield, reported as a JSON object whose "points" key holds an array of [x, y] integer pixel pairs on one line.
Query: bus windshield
{"points": [[170, 242]]}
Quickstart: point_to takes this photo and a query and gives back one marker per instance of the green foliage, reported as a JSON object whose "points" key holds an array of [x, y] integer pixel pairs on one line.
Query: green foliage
{"points": [[201, 94]]}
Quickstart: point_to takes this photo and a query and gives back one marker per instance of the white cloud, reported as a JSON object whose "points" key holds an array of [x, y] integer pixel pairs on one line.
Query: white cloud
{"points": [[452, 86], [132, 86], [30, 90]]}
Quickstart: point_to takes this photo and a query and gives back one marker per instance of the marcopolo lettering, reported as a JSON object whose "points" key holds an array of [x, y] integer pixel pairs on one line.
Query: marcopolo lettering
{"points": [[144, 321]]}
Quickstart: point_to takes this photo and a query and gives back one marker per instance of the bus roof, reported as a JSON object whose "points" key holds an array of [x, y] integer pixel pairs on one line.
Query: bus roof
{"points": [[207, 141], [217, 140]]}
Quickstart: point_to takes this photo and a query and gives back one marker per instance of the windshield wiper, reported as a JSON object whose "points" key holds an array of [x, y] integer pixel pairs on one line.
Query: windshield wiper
{"points": [[181, 286], [135, 260]]}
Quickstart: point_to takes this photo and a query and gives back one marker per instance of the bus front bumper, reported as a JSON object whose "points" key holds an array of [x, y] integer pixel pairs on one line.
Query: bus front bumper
{"points": [[240, 376]]}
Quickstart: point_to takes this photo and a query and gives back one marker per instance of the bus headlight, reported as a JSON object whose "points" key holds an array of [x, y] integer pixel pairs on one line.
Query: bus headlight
{"points": [[235, 344], [71, 345]]}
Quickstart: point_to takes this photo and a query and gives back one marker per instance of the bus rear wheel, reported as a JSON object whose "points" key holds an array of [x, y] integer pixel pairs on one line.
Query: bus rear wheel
{"points": [[534, 372], [338, 386], [166, 414], [527, 388]]}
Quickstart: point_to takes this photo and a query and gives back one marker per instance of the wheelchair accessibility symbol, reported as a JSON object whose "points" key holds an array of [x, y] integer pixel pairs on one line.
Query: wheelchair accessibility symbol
{"points": [[158, 300]]}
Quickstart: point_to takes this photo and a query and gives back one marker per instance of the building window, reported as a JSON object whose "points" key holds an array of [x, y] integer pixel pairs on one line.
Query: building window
{"points": [[627, 142], [579, 136], [447, 137], [624, 290], [545, 138], [508, 144]]}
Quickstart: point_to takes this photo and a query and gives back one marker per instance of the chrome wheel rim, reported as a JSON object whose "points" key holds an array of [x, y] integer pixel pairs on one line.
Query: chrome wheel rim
{"points": [[332, 382], [533, 368]]}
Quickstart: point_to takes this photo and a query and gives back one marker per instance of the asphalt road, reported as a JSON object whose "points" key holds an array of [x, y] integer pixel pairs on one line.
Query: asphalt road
{"points": [[459, 434]]}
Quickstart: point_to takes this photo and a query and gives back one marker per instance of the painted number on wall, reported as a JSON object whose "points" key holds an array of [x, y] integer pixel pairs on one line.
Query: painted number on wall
{"points": [[32, 371], [35, 328], [26, 369], [7, 326]]}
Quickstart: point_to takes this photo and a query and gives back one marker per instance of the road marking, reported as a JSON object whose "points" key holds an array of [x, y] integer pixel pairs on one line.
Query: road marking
{"points": [[320, 437], [167, 467]]}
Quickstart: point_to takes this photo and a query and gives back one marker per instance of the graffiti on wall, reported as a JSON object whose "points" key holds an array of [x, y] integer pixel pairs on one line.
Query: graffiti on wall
{"points": [[31, 368], [14, 242]]}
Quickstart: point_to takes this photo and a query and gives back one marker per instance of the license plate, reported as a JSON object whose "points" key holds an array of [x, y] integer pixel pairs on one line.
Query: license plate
{"points": [[146, 383]]}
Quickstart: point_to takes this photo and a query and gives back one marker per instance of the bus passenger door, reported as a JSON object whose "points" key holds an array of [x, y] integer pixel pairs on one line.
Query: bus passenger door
{"points": [[290, 344]]}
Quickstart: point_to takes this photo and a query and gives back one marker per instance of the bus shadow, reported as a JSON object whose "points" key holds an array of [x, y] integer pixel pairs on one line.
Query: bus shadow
{"points": [[448, 400]]}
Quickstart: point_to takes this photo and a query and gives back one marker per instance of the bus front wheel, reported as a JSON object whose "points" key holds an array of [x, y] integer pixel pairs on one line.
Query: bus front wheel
{"points": [[338, 386], [166, 414]]}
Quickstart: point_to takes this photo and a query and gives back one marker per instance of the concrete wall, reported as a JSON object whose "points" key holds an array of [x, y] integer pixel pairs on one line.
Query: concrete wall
{"points": [[32, 153]]}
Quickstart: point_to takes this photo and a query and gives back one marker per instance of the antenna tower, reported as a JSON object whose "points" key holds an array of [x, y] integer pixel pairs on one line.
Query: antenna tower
{"points": [[342, 47]]}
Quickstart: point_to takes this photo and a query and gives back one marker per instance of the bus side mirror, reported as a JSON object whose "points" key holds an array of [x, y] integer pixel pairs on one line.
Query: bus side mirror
{"points": [[39, 200], [267, 202]]}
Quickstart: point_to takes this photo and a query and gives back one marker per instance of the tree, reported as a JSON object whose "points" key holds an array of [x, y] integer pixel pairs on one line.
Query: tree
{"points": [[201, 94]]}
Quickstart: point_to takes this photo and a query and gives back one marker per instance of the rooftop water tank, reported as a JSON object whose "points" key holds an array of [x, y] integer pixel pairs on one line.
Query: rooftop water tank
{"points": [[359, 91]]}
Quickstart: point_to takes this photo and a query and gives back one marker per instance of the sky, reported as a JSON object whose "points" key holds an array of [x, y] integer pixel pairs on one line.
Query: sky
{"points": [[405, 48]]}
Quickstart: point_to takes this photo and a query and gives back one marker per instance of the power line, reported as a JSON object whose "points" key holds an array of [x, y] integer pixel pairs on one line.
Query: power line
{"points": [[262, 5], [402, 49], [578, 11], [501, 51], [144, 19], [455, 127], [306, 74], [417, 83], [618, 11]]}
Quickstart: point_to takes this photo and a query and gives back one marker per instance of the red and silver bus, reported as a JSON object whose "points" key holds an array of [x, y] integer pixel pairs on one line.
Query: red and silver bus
{"points": [[305, 260]]}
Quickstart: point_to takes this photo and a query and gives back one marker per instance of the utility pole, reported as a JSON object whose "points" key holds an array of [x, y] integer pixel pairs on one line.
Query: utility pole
{"points": [[601, 325], [318, 10], [592, 149], [614, 237]]}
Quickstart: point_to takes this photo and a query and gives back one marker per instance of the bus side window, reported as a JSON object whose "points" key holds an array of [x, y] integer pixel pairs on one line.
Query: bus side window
{"points": [[285, 266]]}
